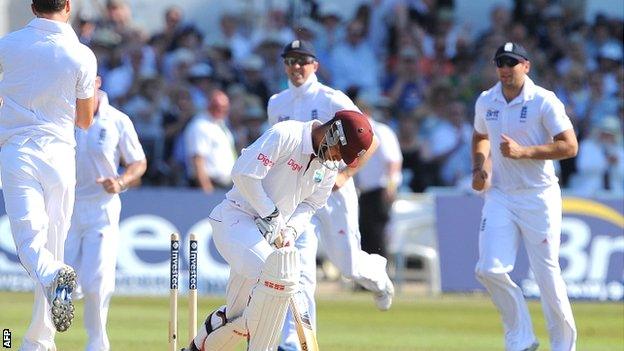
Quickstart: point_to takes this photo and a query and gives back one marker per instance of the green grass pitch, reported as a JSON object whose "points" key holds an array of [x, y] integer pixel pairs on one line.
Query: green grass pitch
{"points": [[347, 321]]}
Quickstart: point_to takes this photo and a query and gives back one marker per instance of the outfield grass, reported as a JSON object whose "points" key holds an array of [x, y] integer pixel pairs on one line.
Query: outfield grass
{"points": [[346, 322]]}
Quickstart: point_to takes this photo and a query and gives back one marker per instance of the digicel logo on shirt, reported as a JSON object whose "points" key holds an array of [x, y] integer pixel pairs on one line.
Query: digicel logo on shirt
{"points": [[294, 165], [265, 160]]}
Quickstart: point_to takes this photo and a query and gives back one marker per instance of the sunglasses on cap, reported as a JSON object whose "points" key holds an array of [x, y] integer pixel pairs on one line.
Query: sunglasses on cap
{"points": [[506, 61], [301, 61]]}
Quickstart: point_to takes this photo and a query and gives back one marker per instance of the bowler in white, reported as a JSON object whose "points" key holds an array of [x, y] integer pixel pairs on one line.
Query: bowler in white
{"points": [[47, 87]]}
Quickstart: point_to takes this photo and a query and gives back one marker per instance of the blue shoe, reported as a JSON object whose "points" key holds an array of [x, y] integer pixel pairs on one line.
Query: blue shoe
{"points": [[61, 305]]}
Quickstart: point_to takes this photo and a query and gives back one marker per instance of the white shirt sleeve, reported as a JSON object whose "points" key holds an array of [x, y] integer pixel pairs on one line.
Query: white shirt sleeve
{"points": [[271, 113], [253, 165], [389, 146], [85, 85], [340, 101], [554, 117], [129, 145], [479, 118]]}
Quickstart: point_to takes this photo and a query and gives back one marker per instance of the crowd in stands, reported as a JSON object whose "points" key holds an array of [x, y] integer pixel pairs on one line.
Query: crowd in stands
{"points": [[410, 60]]}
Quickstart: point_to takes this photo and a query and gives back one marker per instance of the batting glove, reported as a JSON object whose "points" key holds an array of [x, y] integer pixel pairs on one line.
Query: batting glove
{"points": [[270, 226], [287, 237]]}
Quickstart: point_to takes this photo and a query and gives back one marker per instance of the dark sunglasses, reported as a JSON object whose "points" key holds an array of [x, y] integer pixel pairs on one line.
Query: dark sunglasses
{"points": [[506, 62], [301, 61]]}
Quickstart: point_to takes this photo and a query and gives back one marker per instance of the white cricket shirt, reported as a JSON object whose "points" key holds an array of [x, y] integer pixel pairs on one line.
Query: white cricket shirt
{"points": [[374, 174], [533, 118], [311, 100], [292, 180], [214, 143], [100, 149], [45, 70]]}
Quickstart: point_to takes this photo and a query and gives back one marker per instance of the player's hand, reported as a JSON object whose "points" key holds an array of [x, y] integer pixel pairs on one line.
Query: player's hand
{"points": [[510, 148], [111, 185], [481, 176], [479, 179], [270, 226], [287, 237]]}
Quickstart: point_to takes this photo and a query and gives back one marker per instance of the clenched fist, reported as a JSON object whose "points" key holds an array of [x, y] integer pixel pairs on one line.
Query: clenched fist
{"points": [[510, 148]]}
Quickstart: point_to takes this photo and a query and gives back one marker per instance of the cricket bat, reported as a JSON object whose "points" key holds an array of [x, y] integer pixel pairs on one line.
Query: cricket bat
{"points": [[305, 331]]}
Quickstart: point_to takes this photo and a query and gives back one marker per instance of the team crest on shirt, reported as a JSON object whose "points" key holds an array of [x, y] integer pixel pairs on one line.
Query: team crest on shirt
{"points": [[281, 118], [319, 174], [523, 114], [314, 114], [491, 115]]}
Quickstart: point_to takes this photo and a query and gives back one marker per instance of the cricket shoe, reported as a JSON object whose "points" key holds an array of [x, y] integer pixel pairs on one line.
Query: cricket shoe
{"points": [[214, 320], [60, 295], [383, 299]]}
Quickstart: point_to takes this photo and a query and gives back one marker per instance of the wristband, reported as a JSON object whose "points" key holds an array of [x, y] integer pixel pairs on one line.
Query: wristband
{"points": [[122, 185]]}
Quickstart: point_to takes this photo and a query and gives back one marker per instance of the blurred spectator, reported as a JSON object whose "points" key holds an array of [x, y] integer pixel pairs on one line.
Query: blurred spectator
{"points": [[276, 23], [222, 62], [415, 173], [122, 80], [146, 108], [173, 27], [251, 77], [209, 146], [200, 77], [600, 162], [452, 137], [254, 119], [601, 104], [406, 87], [500, 19], [403, 48], [273, 71], [178, 114], [353, 62], [332, 31], [231, 35]]}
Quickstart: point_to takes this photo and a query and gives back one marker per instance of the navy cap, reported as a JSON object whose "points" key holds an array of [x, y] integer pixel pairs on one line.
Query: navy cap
{"points": [[300, 47], [514, 50]]}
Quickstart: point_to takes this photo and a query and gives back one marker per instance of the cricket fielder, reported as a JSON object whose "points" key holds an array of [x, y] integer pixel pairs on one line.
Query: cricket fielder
{"points": [[279, 182], [337, 222], [47, 88], [522, 127], [91, 246]]}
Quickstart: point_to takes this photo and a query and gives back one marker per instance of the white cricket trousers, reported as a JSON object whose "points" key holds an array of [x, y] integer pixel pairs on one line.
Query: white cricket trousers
{"points": [[535, 217], [91, 248], [38, 186], [240, 243], [337, 226]]}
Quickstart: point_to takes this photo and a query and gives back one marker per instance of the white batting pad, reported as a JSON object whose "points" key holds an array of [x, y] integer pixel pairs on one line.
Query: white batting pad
{"points": [[267, 307], [227, 336]]}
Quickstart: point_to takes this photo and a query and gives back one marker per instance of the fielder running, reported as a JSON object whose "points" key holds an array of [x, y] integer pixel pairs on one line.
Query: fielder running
{"points": [[91, 246], [46, 89], [523, 127], [279, 182], [336, 223]]}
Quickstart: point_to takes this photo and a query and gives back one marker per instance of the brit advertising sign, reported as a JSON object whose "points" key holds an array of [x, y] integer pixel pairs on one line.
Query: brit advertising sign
{"points": [[591, 254]]}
